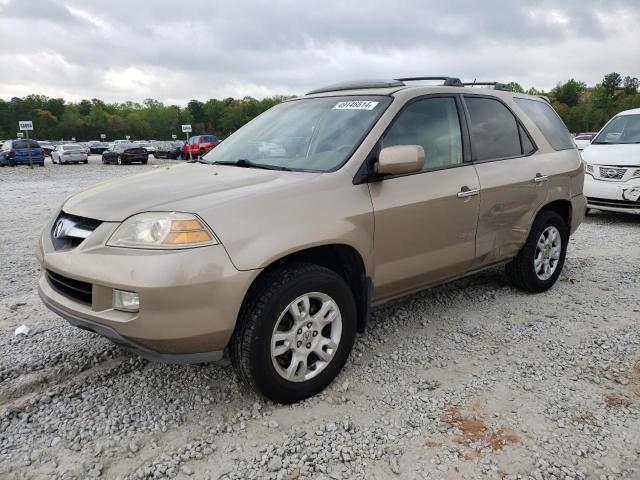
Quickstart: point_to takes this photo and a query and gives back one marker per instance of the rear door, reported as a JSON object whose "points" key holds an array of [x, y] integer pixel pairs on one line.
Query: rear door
{"points": [[425, 223], [513, 181]]}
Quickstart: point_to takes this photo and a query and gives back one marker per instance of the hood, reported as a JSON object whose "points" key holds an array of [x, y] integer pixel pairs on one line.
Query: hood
{"points": [[622, 155], [189, 187]]}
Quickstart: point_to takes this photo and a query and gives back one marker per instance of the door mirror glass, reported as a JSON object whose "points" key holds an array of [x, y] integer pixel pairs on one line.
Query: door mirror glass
{"points": [[401, 160]]}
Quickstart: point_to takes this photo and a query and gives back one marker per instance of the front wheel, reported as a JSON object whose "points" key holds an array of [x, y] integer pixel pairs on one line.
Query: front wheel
{"points": [[537, 267], [294, 333], [119, 160]]}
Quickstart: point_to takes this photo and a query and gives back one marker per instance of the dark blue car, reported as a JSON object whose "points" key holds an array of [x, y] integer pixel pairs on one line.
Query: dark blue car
{"points": [[16, 152]]}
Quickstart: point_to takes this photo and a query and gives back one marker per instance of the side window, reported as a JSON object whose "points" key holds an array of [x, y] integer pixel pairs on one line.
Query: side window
{"points": [[527, 145], [494, 130], [548, 121], [432, 123]]}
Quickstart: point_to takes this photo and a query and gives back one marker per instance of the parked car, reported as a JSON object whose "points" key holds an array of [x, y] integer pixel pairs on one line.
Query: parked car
{"points": [[583, 140], [612, 164], [69, 153], [149, 147], [47, 147], [98, 148], [201, 144], [125, 153], [167, 150], [276, 257], [16, 152]]}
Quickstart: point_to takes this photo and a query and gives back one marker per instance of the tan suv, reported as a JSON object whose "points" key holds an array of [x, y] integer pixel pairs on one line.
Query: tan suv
{"points": [[276, 243]]}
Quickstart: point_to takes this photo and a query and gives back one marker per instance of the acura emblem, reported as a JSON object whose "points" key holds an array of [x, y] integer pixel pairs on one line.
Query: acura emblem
{"points": [[58, 230]]}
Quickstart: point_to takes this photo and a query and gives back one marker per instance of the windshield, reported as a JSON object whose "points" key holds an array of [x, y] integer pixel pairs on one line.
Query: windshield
{"points": [[622, 129], [24, 144], [311, 134]]}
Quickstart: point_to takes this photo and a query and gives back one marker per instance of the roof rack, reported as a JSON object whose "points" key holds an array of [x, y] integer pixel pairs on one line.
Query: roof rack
{"points": [[357, 85], [448, 81], [495, 85]]}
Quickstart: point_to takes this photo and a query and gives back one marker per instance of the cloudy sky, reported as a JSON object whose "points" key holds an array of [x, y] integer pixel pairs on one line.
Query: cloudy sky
{"points": [[173, 50]]}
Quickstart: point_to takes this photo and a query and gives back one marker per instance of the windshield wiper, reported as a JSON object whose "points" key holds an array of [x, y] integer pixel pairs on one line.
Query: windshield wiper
{"points": [[244, 163]]}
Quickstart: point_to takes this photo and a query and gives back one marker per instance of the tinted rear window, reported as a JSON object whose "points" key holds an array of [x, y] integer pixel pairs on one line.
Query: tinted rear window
{"points": [[23, 144], [548, 121], [494, 129]]}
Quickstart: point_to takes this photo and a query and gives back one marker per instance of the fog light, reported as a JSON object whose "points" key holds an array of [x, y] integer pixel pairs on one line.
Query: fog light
{"points": [[126, 301]]}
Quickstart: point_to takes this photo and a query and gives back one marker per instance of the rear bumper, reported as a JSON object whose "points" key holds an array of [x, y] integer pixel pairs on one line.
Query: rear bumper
{"points": [[613, 196]]}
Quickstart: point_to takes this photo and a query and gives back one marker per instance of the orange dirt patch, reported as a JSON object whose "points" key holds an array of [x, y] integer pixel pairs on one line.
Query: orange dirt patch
{"points": [[503, 437], [432, 444], [616, 401], [475, 430]]}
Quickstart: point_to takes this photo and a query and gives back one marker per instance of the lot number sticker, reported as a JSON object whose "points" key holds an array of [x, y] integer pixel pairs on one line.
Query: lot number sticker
{"points": [[355, 105]]}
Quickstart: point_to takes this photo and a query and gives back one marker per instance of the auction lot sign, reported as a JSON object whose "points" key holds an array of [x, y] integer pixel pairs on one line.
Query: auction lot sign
{"points": [[25, 125]]}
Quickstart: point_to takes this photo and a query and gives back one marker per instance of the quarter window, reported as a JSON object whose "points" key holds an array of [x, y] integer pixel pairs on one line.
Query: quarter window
{"points": [[434, 124], [494, 130], [547, 120]]}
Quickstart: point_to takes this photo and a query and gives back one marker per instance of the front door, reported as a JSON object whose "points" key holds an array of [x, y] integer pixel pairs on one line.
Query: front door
{"points": [[425, 223]]}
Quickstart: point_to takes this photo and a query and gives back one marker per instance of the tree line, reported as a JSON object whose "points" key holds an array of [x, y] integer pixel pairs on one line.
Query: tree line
{"points": [[582, 108], [587, 109], [55, 119]]}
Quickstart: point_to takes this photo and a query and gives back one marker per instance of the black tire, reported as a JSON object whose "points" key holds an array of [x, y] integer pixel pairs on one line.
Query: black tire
{"points": [[250, 345], [202, 152], [85, 162], [521, 271], [119, 160]]}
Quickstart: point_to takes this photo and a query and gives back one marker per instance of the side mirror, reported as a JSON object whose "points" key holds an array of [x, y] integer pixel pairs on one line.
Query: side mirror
{"points": [[401, 159]]}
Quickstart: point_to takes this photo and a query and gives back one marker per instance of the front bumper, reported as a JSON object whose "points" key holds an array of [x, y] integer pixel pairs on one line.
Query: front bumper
{"points": [[613, 196], [189, 299]]}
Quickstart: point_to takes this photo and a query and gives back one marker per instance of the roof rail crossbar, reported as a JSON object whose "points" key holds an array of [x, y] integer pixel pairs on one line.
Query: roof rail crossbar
{"points": [[448, 81], [495, 85]]}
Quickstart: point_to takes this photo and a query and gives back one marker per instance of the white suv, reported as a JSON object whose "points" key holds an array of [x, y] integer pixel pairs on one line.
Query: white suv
{"points": [[612, 165]]}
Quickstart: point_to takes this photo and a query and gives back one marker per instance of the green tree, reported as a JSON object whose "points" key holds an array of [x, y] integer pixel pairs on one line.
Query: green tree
{"points": [[569, 92]]}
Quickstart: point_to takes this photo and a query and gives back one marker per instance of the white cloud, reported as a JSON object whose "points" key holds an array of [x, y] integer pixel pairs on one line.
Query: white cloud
{"points": [[123, 50]]}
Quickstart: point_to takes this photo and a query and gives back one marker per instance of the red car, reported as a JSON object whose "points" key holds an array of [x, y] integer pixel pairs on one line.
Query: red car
{"points": [[200, 144]]}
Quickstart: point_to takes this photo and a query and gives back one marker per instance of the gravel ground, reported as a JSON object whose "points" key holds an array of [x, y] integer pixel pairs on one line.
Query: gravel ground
{"points": [[470, 380]]}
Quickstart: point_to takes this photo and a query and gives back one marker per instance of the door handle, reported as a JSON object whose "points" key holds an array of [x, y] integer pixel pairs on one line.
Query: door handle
{"points": [[539, 178], [467, 192]]}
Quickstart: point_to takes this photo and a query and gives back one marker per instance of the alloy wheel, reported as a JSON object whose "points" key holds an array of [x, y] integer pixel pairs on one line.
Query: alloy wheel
{"points": [[548, 250], [306, 337]]}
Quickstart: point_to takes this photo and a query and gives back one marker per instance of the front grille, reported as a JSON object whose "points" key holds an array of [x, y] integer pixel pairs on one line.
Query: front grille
{"points": [[69, 287], [607, 202], [612, 173], [73, 232]]}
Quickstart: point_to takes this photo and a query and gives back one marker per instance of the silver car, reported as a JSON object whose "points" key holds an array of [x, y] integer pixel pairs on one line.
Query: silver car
{"points": [[69, 153]]}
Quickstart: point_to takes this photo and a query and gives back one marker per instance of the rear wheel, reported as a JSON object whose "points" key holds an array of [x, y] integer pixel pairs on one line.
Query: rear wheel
{"points": [[538, 265], [294, 333], [202, 152], [120, 160]]}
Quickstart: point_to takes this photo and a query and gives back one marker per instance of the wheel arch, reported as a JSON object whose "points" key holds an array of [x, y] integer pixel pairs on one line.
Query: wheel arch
{"points": [[561, 207], [342, 259]]}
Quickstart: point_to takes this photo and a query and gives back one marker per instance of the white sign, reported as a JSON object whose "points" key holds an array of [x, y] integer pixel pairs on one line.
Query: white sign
{"points": [[73, 139], [174, 136], [355, 105], [25, 125], [20, 134], [103, 136], [186, 128], [128, 137]]}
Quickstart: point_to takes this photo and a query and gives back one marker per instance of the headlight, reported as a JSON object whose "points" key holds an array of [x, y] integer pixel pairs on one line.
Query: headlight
{"points": [[588, 168], [162, 230], [636, 173]]}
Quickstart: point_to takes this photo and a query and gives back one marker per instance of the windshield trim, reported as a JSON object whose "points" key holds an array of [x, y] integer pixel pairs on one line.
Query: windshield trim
{"points": [[356, 145]]}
